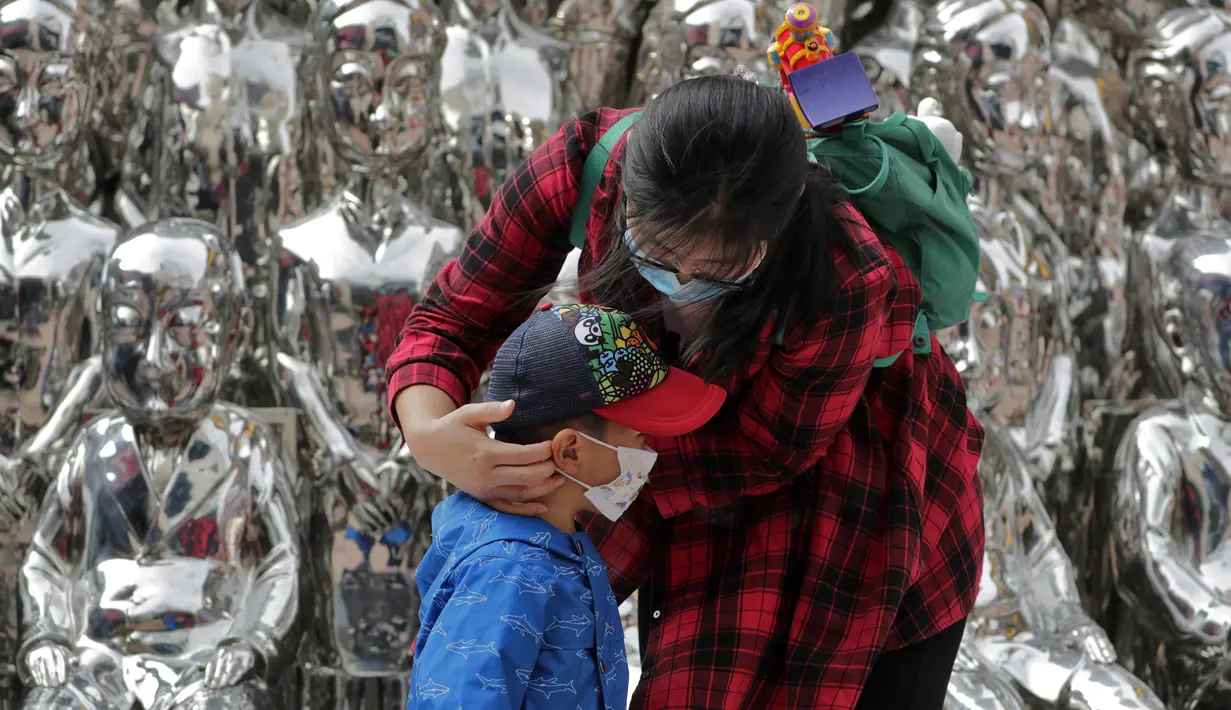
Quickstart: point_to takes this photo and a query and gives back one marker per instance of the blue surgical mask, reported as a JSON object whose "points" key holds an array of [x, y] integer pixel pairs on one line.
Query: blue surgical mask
{"points": [[667, 282]]}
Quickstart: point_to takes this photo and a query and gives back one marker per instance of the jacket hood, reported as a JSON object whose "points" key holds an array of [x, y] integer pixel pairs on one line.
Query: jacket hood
{"points": [[461, 526]]}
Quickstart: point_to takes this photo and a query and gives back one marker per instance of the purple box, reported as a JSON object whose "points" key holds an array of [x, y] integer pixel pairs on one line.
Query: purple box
{"points": [[833, 91]]}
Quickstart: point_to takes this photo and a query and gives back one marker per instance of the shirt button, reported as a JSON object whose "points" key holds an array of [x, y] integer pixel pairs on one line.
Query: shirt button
{"points": [[602, 667], [657, 613], [578, 548]]}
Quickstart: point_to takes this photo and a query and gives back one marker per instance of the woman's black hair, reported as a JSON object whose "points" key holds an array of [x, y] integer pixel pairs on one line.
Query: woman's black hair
{"points": [[722, 161]]}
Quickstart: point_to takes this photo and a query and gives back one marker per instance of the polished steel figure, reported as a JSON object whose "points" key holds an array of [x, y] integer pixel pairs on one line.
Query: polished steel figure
{"points": [[1171, 501], [1172, 587], [888, 57], [1029, 642], [349, 274], [50, 254], [164, 569], [230, 144], [987, 62], [549, 63], [683, 39]]}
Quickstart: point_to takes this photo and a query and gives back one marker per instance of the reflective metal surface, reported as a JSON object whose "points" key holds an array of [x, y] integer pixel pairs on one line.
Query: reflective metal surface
{"points": [[344, 147], [231, 113], [1170, 498], [683, 39], [349, 273], [987, 63], [1028, 631], [51, 250], [164, 566], [888, 57]]}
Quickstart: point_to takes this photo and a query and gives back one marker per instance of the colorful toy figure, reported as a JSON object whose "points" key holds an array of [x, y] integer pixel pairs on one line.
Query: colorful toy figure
{"points": [[800, 41], [838, 93]]}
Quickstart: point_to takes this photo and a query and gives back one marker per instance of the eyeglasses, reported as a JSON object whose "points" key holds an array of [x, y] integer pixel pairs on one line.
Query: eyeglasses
{"points": [[641, 258]]}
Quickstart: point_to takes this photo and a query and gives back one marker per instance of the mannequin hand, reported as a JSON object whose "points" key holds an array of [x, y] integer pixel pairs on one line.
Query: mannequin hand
{"points": [[377, 514], [48, 664], [929, 113], [1091, 640], [229, 665]]}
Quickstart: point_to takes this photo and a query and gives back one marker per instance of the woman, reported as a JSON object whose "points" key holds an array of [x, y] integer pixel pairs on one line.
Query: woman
{"points": [[823, 535]]}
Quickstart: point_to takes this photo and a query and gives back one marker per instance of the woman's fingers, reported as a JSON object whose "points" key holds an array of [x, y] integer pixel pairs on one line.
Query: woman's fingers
{"points": [[502, 455], [481, 414], [526, 493], [527, 474]]}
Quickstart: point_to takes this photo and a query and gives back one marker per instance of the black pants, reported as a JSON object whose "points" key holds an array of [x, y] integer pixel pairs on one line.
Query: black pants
{"points": [[915, 677]]}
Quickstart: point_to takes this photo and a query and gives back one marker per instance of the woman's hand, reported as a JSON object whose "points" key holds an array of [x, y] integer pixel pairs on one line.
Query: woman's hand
{"points": [[455, 447]]}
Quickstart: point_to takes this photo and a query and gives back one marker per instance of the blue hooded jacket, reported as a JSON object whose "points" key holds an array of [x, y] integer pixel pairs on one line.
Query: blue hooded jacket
{"points": [[515, 613]]}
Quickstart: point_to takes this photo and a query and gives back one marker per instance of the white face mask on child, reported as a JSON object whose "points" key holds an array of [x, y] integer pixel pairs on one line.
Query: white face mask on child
{"points": [[612, 499]]}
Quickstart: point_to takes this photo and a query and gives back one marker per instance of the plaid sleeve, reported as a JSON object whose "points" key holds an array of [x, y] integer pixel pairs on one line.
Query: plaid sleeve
{"points": [[792, 410], [513, 255]]}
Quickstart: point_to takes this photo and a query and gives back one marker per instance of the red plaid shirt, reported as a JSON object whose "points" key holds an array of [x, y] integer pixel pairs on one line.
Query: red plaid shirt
{"points": [[831, 510]]}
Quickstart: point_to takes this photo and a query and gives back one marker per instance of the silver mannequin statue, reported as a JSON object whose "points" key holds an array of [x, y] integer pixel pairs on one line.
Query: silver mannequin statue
{"points": [[1176, 78], [50, 254], [468, 98], [164, 569], [1174, 104], [683, 39], [986, 62], [888, 56], [549, 63], [1172, 487], [124, 110], [1028, 642], [350, 273], [231, 145]]}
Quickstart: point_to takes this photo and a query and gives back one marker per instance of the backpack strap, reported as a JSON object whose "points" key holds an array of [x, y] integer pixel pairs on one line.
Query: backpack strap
{"points": [[592, 173]]}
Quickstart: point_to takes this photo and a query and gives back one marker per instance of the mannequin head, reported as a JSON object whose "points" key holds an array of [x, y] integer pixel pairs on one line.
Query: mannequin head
{"points": [[887, 56], [48, 51], [1191, 315], [379, 80], [1179, 104], [173, 307], [986, 62]]}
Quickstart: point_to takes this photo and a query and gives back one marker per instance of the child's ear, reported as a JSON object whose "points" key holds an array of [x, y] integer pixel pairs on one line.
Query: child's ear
{"points": [[565, 451]]}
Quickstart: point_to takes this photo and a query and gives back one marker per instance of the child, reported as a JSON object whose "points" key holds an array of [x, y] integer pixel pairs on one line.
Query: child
{"points": [[517, 612]]}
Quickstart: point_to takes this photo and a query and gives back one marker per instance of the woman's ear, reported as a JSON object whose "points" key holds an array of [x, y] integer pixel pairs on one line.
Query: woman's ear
{"points": [[565, 451]]}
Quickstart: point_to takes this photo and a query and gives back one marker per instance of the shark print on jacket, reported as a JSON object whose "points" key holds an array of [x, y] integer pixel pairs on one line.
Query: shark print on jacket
{"points": [[515, 614]]}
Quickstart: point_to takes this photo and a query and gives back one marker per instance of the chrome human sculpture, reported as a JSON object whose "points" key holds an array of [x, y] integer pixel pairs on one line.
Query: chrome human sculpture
{"points": [[231, 147], [1180, 54], [349, 274], [50, 256], [164, 568], [888, 56], [1175, 339], [124, 113], [986, 62], [468, 98], [1028, 642], [683, 39], [549, 63], [1171, 497]]}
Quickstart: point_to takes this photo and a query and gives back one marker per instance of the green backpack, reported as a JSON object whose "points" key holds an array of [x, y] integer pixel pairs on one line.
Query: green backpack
{"points": [[906, 186]]}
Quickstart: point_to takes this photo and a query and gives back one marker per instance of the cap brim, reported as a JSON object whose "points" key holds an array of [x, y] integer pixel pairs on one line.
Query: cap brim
{"points": [[680, 404]]}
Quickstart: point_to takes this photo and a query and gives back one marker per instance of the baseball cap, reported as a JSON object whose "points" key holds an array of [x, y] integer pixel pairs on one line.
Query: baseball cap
{"points": [[571, 359]]}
